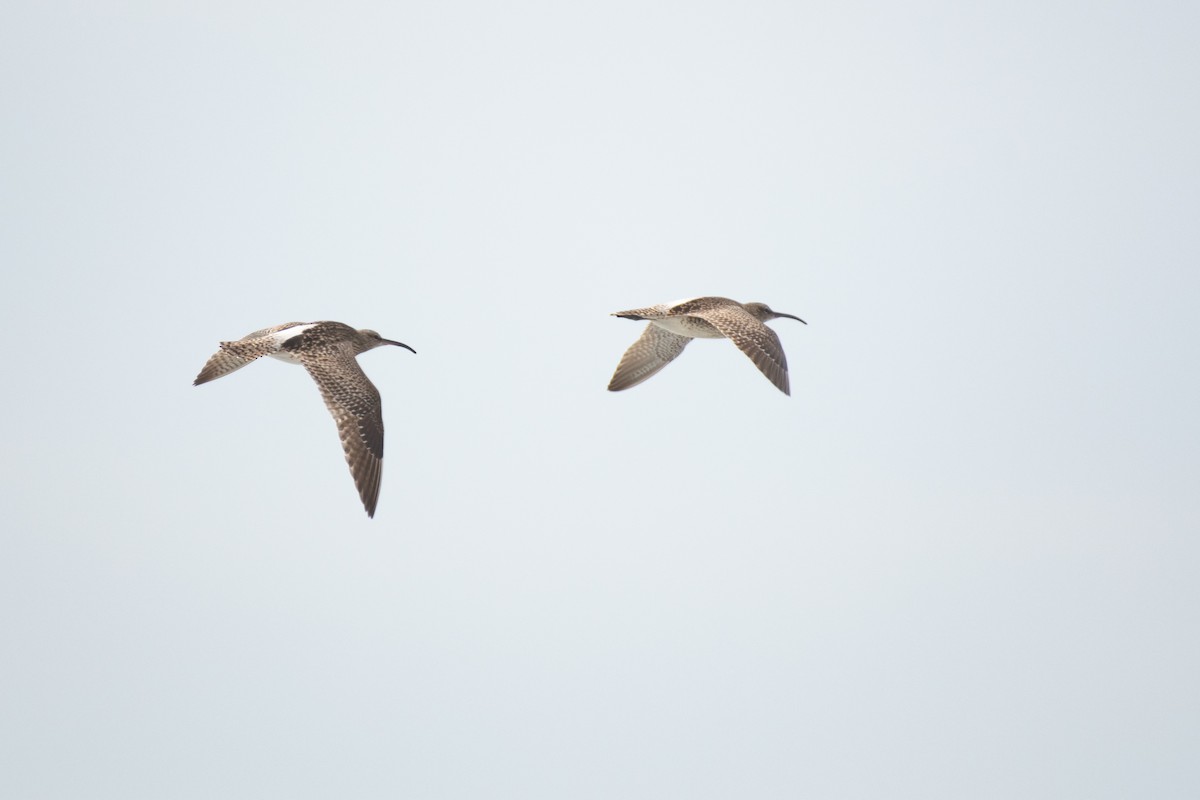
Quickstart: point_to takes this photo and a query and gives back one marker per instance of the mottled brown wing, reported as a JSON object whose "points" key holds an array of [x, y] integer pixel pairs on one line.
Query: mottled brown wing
{"points": [[356, 408], [652, 312], [653, 350], [753, 338], [235, 355]]}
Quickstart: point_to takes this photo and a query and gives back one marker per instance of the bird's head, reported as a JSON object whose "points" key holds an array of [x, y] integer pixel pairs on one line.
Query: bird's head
{"points": [[371, 339], [763, 312]]}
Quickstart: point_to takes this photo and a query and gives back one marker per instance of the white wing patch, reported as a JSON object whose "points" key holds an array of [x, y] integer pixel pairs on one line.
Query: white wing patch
{"points": [[279, 337]]}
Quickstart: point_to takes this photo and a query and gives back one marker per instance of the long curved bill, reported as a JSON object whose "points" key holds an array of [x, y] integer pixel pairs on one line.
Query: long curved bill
{"points": [[398, 344]]}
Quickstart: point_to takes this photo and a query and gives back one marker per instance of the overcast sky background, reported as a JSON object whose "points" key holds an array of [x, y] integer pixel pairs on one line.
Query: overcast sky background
{"points": [[959, 562]]}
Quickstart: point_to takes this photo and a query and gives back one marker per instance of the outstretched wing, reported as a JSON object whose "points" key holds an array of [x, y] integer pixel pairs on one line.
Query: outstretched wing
{"points": [[753, 338], [235, 355], [653, 350], [356, 408]]}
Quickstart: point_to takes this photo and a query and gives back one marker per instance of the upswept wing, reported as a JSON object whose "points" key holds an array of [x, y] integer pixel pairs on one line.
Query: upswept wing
{"points": [[234, 355], [653, 350]]}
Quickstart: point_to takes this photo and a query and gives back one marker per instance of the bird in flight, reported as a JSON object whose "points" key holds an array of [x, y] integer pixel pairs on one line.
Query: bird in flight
{"points": [[673, 325], [328, 351]]}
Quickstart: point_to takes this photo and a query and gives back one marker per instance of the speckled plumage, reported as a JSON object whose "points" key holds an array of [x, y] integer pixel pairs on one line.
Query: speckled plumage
{"points": [[673, 325], [328, 351]]}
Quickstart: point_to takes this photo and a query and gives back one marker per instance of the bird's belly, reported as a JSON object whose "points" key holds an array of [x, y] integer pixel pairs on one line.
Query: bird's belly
{"points": [[284, 355], [688, 326]]}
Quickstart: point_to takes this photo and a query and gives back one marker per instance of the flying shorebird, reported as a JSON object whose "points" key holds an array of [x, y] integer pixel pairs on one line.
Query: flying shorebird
{"points": [[673, 325], [327, 350]]}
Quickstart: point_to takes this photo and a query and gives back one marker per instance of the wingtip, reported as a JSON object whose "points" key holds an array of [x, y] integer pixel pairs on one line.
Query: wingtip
{"points": [[619, 383]]}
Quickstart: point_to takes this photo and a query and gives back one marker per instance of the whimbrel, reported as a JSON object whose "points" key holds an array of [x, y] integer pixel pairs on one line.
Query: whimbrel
{"points": [[673, 325], [327, 350]]}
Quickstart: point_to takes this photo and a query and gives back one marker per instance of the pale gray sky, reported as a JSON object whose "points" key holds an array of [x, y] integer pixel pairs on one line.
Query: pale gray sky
{"points": [[959, 562]]}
